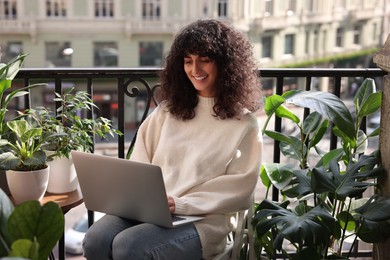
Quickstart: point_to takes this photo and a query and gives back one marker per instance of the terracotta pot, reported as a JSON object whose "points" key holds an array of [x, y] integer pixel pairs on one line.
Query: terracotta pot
{"points": [[62, 176], [27, 185]]}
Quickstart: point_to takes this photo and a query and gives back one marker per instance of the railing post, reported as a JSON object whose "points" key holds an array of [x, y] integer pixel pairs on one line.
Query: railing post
{"points": [[382, 59]]}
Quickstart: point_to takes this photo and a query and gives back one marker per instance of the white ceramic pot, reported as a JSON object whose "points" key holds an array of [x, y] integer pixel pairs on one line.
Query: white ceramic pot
{"points": [[63, 176], [27, 185]]}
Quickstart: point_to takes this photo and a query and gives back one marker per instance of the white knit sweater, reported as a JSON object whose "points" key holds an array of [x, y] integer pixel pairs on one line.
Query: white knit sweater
{"points": [[210, 166]]}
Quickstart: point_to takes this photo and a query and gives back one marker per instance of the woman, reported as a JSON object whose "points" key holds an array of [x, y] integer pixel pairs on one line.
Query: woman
{"points": [[205, 138]]}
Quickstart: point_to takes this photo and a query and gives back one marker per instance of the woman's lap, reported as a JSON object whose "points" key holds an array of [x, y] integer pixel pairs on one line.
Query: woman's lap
{"points": [[115, 238]]}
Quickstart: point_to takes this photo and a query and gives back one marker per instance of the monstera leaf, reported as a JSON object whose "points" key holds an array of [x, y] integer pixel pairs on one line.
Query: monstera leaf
{"points": [[305, 225], [348, 184]]}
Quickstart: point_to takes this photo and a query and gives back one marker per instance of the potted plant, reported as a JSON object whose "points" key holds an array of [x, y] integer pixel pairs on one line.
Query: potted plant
{"points": [[72, 131], [324, 210], [24, 160], [29, 230], [7, 73]]}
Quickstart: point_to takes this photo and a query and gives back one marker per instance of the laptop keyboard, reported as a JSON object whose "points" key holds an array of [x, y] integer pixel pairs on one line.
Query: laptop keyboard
{"points": [[176, 218]]}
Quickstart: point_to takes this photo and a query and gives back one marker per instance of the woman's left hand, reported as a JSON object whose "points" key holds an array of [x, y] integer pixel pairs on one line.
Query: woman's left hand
{"points": [[171, 204]]}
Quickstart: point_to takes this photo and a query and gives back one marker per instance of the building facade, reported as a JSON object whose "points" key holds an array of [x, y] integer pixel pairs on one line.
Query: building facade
{"points": [[138, 33]]}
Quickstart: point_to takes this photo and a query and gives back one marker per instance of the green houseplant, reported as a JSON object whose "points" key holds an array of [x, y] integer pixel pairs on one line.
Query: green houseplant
{"points": [[29, 230], [17, 151], [7, 73], [324, 205], [71, 131], [74, 132], [24, 160]]}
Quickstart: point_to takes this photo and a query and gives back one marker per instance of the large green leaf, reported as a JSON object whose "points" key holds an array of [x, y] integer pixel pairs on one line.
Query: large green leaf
{"points": [[278, 136], [284, 112], [332, 155], [377, 208], [300, 184], [272, 103], [328, 105], [32, 221], [12, 68], [374, 232], [279, 175], [364, 91], [348, 184], [19, 127], [319, 134], [8, 161], [312, 123], [293, 149], [312, 228], [372, 104]]}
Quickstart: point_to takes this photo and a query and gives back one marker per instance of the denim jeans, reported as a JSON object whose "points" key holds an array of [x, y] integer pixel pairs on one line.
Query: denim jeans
{"points": [[113, 237]]}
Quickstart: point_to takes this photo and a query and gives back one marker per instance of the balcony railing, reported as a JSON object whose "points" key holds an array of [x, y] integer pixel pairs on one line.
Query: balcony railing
{"points": [[133, 83]]}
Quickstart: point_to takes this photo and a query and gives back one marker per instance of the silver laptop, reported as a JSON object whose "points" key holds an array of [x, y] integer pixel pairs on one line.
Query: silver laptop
{"points": [[126, 189]]}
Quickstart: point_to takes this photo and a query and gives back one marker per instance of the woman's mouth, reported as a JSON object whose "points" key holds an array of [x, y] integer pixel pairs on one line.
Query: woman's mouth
{"points": [[199, 78]]}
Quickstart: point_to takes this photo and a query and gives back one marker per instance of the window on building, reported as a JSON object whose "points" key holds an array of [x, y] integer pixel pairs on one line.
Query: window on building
{"points": [[357, 29], [150, 54], [10, 50], [58, 54], [205, 8], [307, 42], [341, 3], [266, 47], [316, 41], [105, 54], [291, 7], [8, 9], [56, 8], [339, 37], [151, 9], [289, 41], [222, 8], [269, 8], [310, 5], [104, 8], [324, 40]]}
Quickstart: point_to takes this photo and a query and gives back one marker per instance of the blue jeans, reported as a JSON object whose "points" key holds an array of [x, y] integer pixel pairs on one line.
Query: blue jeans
{"points": [[113, 237]]}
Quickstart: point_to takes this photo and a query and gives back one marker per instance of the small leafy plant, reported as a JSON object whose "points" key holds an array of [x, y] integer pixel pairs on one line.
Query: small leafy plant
{"points": [[70, 129], [24, 150], [324, 204]]}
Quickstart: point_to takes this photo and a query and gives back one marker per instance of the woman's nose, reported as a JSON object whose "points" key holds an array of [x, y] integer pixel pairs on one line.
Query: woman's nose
{"points": [[195, 68]]}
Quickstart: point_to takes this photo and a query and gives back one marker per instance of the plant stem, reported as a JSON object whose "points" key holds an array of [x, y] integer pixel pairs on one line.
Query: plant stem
{"points": [[355, 239], [344, 228]]}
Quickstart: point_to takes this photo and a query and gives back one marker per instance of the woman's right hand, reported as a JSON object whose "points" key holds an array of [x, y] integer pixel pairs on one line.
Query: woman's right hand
{"points": [[171, 204]]}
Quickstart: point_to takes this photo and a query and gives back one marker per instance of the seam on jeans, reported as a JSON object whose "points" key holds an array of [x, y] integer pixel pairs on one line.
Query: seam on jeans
{"points": [[169, 244]]}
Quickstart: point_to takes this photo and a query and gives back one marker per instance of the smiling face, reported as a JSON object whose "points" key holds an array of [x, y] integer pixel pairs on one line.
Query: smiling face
{"points": [[202, 72]]}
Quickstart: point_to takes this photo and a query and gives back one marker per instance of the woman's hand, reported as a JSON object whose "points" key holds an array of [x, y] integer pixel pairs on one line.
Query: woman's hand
{"points": [[171, 204]]}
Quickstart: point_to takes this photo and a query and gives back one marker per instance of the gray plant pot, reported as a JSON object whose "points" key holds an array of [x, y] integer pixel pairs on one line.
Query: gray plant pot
{"points": [[3, 182]]}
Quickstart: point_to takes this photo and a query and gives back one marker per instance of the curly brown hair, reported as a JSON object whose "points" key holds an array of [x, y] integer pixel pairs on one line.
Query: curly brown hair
{"points": [[238, 85]]}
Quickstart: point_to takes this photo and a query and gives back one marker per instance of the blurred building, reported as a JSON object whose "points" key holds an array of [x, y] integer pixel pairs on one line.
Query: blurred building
{"points": [[137, 33]]}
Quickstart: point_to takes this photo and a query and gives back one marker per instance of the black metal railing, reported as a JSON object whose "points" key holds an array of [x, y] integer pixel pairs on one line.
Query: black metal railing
{"points": [[133, 83]]}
